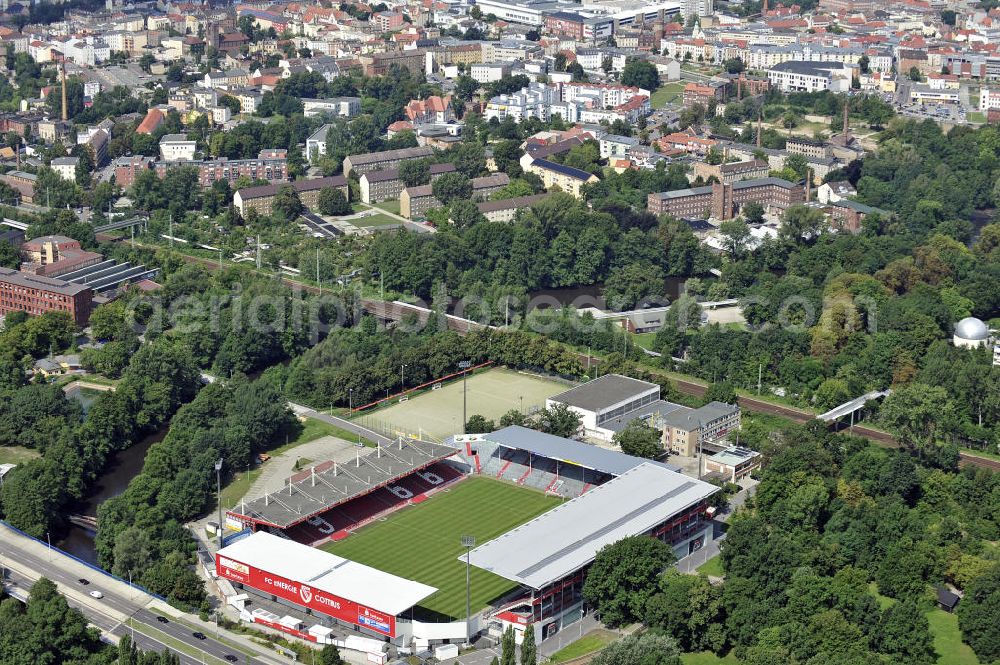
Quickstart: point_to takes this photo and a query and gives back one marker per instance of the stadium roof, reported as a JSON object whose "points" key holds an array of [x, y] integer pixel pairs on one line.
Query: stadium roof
{"points": [[568, 537], [328, 484], [321, 570], [567, 450]]}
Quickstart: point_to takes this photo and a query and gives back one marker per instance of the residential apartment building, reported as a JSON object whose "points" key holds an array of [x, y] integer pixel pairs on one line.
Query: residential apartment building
{"points": [[723, 201], [414, 202], [341, 107], [376, 161], [377, 64], [685, 429], [799, 76], [384, 185], [271, 164], [566, 178], [261, 199], [36, 295], [505, 210]]}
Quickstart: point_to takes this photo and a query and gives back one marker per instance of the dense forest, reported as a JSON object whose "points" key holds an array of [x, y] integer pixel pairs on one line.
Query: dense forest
{"points": [[833, 561]]}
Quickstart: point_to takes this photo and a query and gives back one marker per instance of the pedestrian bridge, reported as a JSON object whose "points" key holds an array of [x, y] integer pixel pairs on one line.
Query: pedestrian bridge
{"points": [[852, 406]]}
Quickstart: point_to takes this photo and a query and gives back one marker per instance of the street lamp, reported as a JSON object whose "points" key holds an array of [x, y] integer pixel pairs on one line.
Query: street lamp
{"points": [[350, 397], [218, 487], [464, 366], [468, 542], [401, 384]]}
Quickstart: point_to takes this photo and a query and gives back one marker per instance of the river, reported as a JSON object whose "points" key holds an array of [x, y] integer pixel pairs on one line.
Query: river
{"points": [[119, 472]]}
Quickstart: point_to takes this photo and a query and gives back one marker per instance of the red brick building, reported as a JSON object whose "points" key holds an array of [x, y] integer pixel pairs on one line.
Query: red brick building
{"points": [[271, 165], [35, 295], [723, 201], [564, 24]]}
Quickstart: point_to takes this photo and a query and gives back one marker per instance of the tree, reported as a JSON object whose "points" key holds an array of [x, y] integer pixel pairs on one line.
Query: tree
{"points": [[722, 391], [647, 648], [414, 172], [626, 287], [287, 204], [529, 653], [948, 16], [915, 74], [559, 420], [639, 439], [641, 74], [734, 65], [10, 257], [736, 235], [753, 212], [451, 186], [466, 87], [979, 614], [508, 647], [478, 424], [864, 64], [918, 414], [465, 213], [330, 655], [333, 202], [623, 577]]}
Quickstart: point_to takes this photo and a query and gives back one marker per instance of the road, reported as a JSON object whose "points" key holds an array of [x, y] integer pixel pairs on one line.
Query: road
{"points": [[364, 432], [27, 560]]}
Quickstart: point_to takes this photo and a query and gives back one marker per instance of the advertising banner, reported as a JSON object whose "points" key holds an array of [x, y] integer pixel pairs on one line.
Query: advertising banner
{"points": [[306, 596]]}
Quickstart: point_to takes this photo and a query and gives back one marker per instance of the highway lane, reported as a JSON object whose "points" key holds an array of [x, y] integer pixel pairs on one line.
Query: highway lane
{"points": [[115, 605], [105, 623]]}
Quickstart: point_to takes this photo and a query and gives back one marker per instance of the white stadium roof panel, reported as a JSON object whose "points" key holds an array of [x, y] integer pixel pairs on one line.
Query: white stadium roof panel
{"points": [[568, 537], [321, 570]]}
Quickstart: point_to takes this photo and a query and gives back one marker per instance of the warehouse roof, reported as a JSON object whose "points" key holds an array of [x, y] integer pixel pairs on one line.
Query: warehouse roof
{"points": [[321, 570], [603, 392], [568, 537], [30, 281]]}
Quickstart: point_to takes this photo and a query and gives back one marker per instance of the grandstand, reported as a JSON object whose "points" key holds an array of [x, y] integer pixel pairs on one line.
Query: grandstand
{"points": [[548, 556], [329, 494], [545, 462]]}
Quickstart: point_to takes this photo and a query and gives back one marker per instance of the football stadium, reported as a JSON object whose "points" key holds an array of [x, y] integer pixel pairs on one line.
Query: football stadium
{"points": [[379, 547]]}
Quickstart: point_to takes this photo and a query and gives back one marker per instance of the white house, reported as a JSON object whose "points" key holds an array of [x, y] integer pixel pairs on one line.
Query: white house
{"points": [[801, 76], [65, 167], [176, 147]]}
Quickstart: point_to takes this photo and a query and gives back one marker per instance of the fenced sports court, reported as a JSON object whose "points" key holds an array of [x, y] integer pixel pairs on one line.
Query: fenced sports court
{"points": [[437, 413]]}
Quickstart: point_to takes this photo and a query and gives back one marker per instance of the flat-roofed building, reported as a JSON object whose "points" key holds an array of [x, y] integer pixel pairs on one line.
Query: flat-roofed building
{"points": [[732, 171], [36, 295]]}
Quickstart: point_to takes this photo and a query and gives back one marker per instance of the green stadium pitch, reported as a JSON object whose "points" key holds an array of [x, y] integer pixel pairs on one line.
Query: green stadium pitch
{"points": [[437, 414], [423, 542]]}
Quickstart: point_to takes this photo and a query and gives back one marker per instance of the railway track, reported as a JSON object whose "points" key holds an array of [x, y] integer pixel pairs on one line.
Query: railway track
{"points": [[798, 416]]}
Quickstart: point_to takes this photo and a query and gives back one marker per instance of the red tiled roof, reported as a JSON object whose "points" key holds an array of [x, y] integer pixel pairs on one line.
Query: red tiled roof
{"points": [[154, 118]]}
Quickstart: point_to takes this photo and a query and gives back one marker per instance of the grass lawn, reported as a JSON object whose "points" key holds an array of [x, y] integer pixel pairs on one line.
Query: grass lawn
{"points": [[438, 413], [712, 567], [587, 644], [707, 658], [976, 116], [423, 542], [16, 454], [376, 220], [666, 94], [948, 640], [645, 340], [389, 206]]}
